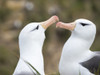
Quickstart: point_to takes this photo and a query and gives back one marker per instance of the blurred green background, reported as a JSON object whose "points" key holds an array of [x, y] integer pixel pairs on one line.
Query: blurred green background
{"points": [[15, 14]]}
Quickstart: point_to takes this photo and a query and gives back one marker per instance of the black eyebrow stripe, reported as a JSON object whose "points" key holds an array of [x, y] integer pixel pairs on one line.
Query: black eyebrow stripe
{"points": [[36, 28], [84, 24]]}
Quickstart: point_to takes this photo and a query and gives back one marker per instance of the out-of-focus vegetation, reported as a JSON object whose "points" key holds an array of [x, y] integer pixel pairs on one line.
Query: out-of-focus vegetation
{"points": [[15, 14]]}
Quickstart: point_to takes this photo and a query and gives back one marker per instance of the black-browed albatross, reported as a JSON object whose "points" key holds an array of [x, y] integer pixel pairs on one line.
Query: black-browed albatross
{"points": [[76, 57], [31, 41]]}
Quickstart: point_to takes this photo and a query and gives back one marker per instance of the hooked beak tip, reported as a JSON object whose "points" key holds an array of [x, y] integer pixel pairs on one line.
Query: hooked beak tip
{"points": [[56, 18], [58, 24], [49, 22]]}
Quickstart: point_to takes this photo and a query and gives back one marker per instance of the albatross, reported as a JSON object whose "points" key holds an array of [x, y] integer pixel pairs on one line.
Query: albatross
{"points": [[76, 57], [31, 40]]}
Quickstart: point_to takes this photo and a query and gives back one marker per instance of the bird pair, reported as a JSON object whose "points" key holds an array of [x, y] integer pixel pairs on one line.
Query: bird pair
{"points": [[76, 57]]}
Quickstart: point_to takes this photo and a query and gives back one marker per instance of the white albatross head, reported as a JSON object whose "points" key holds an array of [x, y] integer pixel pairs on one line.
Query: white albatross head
{"points": [[34, 33], [82, 28]]}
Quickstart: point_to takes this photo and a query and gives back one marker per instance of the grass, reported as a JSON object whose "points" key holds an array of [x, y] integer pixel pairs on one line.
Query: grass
{"points": [[37, 72]]}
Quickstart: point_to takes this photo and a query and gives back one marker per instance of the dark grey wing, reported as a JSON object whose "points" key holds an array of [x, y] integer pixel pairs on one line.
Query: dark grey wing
{"points": [[93, 64]]}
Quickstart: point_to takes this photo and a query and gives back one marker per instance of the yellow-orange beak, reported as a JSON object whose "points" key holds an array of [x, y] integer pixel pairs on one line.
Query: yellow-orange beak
{"points": [[49, 22], [69, 26]]}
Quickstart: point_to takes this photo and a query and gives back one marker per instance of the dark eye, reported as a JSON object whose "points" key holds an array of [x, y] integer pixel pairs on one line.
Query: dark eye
{"points": [[84, 24], [36, 28]]}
